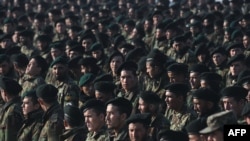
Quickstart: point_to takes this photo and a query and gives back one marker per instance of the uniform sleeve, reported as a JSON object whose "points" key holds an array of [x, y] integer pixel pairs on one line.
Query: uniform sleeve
{"points": [[55, 130], [36, 132]]}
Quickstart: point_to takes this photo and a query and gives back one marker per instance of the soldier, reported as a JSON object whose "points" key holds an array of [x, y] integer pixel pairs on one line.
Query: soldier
{"points": [[60, 30], [151, 103], [215, 125], [68, 90], [89, 65], [97, 52], [11, 112], [235, 49], [74, 125], [193, 129], [42, 43], [246, 113], [178, 73], [104, 90], [75, 51], [244, 81], [53, 113], [6, 67], [234, 98], [34, 74], [20, 62], [171, 135], [211, 80], [138, 125], [33, 113], [87, 40], [219, 59], [94, 115], [176, 111], [129, 83], [118, 110]]}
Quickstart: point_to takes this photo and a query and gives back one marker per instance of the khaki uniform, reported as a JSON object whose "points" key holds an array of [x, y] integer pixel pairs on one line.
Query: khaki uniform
{"points": [[52, 124], [230, 80], [10, 120], [32, 125], [157, 124], [187, 58], [74, 134], [122, 135], [102, 135], [59, 37]]}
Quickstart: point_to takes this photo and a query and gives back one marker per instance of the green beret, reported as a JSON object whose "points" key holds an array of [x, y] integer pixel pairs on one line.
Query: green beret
{"points": [[135, 54], [74, 115], [27, 33], [150, 97], [243, 77], [30, 93], [178, 88], [171, 135], [125, 106], [86, 79], [238, 57], [236, 92], [142, 64], [246, 110], [128, 65], [114, 54], [206, 94], [195, 126], [211, 77], [220, 50], [47, 92], [96, 46], [4, 57], [235, 45], [157, 57], [10, 85], [77, 48], [5, 36], [60, 60], [104, 86], [94, 104], [58, 45], [145, 119], [199, 68], [104, 77], [73, 63], [87, 61], [201, 49], [20, 59], [44, 38], [178, 68]]}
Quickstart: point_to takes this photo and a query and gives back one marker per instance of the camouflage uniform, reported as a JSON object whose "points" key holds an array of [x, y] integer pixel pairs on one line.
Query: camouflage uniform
{"points": [[52, 124], [122, 135], [31, 128], [102, 135], [179, 120], [68, 92], [186, 58], [230, 80], [30, 83], [74, 134], [10, 120], [59, 37]]}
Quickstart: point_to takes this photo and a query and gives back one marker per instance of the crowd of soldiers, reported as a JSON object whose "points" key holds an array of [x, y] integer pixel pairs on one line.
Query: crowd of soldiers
{"points": [[123, 70]]}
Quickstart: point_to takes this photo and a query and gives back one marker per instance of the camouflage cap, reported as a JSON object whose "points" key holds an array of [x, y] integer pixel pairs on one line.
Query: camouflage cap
{"points": [[218, 120]]}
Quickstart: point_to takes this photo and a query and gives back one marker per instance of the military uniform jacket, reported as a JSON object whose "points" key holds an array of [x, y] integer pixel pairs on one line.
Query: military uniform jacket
{"points": [[10, 120], [230, 80], [74, 134], [121, 136], [68, 92], [52, 124], [101, 135], [158, 123], [32, 126], [179, 120]]}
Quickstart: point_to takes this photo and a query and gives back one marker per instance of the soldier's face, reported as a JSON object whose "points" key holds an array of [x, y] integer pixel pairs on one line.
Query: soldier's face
{"points": [[143, 107], [128, 80], [172, 100], [93, 121], [59, 70], [174, 78], [200, 106], [115, 63], [28, 106], [102, 96], [152, 71], [114, 119], [194, 80], [230, 103], [4, 68], [218, 59], [32, 68], [137, 132], [236, 67]]}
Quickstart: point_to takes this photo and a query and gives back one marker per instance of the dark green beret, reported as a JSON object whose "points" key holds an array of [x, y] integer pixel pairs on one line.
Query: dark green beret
{"points": [[220, 50], [246, 110], [127, 65], [157, 57], [236, 33], [150, 97], [180, 38], [113, 27], [126, 46], [201, 49], [87, 61], [211, 77], [74, 115], [47, 92], [86, 79], [10, 85], [44, 38], [200, 39], [196, 24], [235, 45], [199, 68], [171, 135], [104, 86], [236, 92], [179, 68], [5, 36], [77, 48], [27, 33], [73, 63], [135, 54], [104, 77], [4, 57], [238, 57], [206, 94], [96, 46], [94, 104], [243, 77], [178, 88], [58, 45], [144, 119], [195, 126], [30, 93], [20, 59], [124, 105], [60, 60], [129, 22]]}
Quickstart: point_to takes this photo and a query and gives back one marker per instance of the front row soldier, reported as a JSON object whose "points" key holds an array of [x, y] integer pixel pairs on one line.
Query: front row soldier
{"points": [[11, 113], [53, 113]]}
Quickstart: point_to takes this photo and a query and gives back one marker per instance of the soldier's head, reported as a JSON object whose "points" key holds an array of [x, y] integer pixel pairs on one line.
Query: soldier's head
{"points": [[117, 111], [243, 80], [237, 64], [5, 64], [47, 95], [218, 55], [149, 102], [30, 102], [235, 49], [211, 80], [86, 84], [37, 66], [60, 67], [177, 73], [73, 117], [9, 88], [26, 37], [88, 65], [194, 74], [194, 127], [57, 49], [104, 90]]}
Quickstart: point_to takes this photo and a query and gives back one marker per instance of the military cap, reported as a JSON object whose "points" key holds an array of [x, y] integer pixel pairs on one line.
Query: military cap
{"points": [[178, 88], [179, 68], [200, 68], [104, 86], [206, 94], [118, 40], [96, 46], [60, 60], [150, 97], [218, 120], [114, 54], [54, 11], [238, 57], [157, 57], [236, 33], [125, 106], [74, 115], [246, 110], [77, 48], [87, 61], [171, 135], [73, 62], [126, 46], [243, 77], [127, 65], [8, 20], [47, 92], [235, 45], [113, 27], [142, 64], [58, 45], [236, 92], [200, 39], [10, 85], [27, 33], [44, 38], [129, 22], [195, 126], [196, 24], [220, 50], [13, 50], [104, 77], [94, 104], [4, 57], [211, 77], [145, 119], [5, 36], [135, 54], [201, 49], [86, 79], [30, 93], [21, 60], [179, 38], [87, 34], [157, 12]]}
